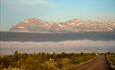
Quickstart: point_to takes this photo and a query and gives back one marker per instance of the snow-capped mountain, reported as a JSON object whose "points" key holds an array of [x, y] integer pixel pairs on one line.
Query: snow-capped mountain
{"points": [[75, 25]]}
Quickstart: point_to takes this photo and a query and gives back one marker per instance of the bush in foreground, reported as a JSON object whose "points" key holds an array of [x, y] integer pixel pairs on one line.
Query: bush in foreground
{"points": [[43, 61]]}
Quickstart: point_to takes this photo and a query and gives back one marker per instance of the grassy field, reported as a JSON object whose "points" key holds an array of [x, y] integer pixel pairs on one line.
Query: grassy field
{"points": [[43, 61], [111, 60]]}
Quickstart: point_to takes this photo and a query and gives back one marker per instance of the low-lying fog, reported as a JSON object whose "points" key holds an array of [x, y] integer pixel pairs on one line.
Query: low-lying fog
{"points": [[9, 47]]}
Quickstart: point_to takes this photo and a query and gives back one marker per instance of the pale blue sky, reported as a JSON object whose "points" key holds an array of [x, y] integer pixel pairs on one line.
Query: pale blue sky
{"points": [[15, 11]]}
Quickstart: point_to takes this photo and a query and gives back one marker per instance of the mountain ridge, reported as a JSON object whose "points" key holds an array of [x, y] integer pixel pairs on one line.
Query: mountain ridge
{"points": [[75, 25]]}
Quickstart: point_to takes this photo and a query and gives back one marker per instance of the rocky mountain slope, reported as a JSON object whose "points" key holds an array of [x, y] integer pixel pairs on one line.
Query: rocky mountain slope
{"points": [[75, 25]]}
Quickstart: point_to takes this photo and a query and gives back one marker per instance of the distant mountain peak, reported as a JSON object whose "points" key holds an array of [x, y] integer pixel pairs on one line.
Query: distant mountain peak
{"points": [[75, 25]]}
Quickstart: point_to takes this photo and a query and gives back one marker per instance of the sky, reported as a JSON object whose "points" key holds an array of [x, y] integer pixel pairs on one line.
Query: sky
{"points": [[15, 11]]}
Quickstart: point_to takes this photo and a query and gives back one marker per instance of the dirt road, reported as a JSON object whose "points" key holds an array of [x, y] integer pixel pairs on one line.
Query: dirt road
{"points": [[99, 63]]}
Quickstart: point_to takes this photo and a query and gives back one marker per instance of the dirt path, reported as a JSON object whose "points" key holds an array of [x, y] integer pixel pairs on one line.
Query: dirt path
{"points": [[99, 63]]}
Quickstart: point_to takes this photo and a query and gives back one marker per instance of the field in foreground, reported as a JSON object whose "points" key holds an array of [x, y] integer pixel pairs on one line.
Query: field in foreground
{"points": [[54, 61], [43, 61]]}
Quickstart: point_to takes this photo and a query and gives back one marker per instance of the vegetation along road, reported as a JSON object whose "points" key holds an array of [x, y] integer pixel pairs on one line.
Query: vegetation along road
{"points": [[99, 63], [59, 61]]}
